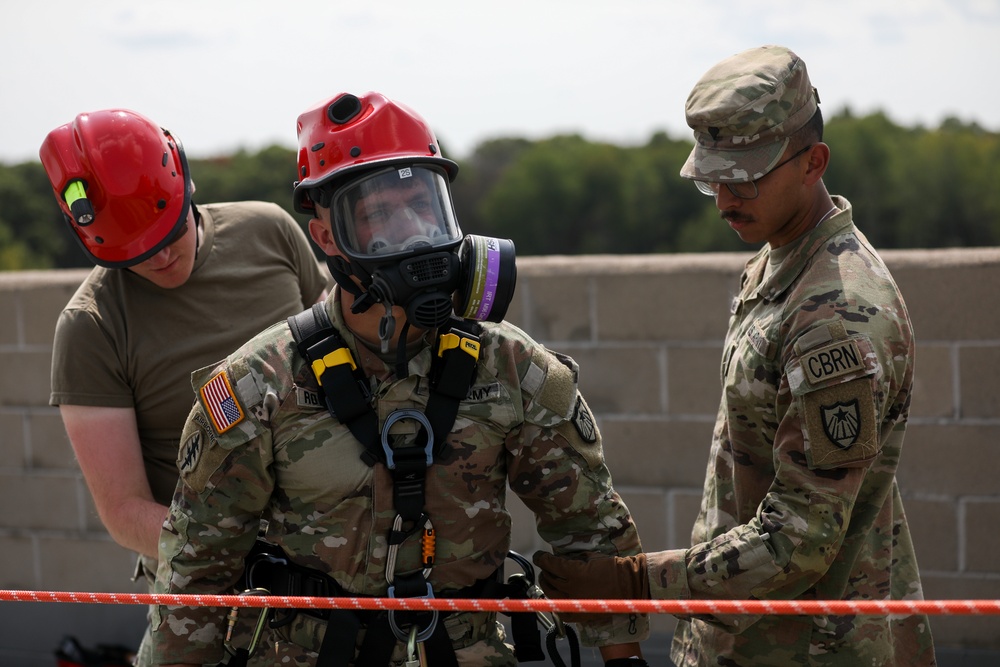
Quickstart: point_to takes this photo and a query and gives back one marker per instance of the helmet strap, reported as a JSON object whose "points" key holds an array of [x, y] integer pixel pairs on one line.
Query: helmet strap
{"points": [[197, 230]]}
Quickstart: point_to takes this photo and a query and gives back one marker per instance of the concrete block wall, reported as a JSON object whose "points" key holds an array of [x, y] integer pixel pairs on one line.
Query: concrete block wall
{"points": [[647, 332]]}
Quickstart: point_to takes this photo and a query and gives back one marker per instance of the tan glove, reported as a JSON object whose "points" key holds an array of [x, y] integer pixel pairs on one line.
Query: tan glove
{"points": [[602, 577]]}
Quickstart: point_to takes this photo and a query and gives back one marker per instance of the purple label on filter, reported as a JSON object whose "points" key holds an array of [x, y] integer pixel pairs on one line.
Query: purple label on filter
{"points": [[492, 277]]}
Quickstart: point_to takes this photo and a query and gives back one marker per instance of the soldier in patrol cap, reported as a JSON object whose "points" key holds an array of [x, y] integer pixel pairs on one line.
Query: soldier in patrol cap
{"points": [[800, 497], [377, 436]]}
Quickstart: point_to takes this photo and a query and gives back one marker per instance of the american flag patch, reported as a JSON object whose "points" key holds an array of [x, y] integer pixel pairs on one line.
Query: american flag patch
{"points": [[221, 404]]}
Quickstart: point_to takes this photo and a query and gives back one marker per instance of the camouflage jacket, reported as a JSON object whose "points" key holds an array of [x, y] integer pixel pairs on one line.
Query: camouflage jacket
{"points": [[800, 497], [259, 443]]}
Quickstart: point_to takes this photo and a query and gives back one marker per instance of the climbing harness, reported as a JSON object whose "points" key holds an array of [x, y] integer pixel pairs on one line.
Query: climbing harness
{"points": [[347, 396]]}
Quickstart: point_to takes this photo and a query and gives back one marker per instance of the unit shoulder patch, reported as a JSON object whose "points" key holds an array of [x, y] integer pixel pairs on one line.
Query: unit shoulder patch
{"points": [[584, 421], [840, 424], [199, 455], [582, 434]]}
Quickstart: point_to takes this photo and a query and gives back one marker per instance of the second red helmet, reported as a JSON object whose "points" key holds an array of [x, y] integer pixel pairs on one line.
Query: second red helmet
{"points": [[121, 181]]}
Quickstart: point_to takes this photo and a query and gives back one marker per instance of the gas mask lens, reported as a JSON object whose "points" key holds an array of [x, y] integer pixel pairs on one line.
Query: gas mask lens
{"points": [[399, 209]]}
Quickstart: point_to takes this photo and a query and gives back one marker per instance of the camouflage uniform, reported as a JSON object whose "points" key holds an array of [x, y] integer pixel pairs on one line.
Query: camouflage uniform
{"points": [[800, 498], [286, 460]]}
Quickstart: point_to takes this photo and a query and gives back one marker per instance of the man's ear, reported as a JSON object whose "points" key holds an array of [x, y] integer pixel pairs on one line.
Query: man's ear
{"points": [[819, 160], [323, 236]]}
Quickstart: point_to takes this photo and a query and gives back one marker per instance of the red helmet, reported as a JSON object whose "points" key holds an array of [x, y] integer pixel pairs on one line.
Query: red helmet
{"points": [[346, 134], [122, 182]]}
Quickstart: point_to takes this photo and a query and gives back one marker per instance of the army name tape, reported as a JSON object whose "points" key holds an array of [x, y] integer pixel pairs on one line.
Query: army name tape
{"points": [[772, 607]]}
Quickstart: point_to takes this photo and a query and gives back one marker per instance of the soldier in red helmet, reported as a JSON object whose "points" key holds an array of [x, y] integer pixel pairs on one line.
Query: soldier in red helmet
{"points": [[176, 287], [378, 434]]}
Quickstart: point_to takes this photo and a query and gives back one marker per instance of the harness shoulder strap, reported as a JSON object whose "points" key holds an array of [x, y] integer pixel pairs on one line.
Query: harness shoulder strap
{"points": [[453, 372], [342, 383]]}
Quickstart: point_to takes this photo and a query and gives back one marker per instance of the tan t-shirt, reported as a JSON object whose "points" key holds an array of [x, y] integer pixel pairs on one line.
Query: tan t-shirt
{"points": [[124, 342]]}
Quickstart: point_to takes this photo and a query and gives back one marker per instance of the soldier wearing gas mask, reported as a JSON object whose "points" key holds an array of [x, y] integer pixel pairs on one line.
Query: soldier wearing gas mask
{"points": [[377, 434], [372, 174]]}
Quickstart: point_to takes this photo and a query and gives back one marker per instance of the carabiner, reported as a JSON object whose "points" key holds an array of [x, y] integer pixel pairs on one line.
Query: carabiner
{"points": [[533, 592], [428, 548], [233, 618]]}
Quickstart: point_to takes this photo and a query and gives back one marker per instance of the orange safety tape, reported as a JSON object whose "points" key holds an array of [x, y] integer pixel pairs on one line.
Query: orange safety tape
{"points": [[772, 607]]}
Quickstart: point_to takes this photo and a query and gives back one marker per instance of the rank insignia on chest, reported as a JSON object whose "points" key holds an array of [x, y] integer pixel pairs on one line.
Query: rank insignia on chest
{"points": [[220, 403]]}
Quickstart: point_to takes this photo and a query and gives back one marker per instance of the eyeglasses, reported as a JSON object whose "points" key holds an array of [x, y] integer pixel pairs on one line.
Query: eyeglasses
{"points": [[743, 189]]}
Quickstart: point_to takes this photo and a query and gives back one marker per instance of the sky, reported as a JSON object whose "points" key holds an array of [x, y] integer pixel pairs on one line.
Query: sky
{"points": [[225, 75]]}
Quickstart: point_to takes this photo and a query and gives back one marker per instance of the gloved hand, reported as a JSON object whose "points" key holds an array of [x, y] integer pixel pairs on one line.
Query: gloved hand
{"points": [[603, 577]]}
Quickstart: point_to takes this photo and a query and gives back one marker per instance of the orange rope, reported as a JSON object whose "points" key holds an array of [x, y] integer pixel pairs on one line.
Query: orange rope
{"points": [[770, 607]]}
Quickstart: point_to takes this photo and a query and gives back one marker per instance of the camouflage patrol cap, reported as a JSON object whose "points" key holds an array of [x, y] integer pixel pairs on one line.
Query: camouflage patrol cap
{"points": [[743, 110]]}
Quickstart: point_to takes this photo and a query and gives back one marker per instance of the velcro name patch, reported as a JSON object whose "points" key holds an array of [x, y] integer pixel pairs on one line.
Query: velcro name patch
{"points": [[308, 398]]}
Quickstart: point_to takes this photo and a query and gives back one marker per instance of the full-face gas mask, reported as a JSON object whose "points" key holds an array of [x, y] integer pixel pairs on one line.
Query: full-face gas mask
{"points": [[397, 230]]}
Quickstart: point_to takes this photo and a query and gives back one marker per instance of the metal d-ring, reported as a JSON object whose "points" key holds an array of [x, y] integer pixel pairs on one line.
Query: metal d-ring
{"points": [[422, 635], [417, 416]]}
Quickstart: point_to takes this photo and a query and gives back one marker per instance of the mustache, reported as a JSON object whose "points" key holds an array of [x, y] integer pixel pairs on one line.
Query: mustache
{"points": [[736, 216]]}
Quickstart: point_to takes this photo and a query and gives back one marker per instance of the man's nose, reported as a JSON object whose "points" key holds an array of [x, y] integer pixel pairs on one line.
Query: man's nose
{"points": [[726, 200], [406, 222], [160, 259]]}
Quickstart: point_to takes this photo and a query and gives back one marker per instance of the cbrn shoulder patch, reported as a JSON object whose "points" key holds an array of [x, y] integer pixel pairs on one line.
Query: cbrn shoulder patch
{"points": [[840, 425]]}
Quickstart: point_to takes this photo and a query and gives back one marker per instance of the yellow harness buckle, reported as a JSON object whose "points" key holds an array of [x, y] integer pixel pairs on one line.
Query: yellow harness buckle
{"points": [[451, 341], [338, 357]]}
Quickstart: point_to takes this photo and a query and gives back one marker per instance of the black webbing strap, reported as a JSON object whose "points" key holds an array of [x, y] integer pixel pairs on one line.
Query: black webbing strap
{"points": [[344, 388], [267, 566], [453, 372], [327, 353]]}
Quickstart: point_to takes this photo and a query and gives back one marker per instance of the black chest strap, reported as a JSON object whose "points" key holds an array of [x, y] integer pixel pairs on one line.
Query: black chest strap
{"points": [[342, 383], [344, 386]]}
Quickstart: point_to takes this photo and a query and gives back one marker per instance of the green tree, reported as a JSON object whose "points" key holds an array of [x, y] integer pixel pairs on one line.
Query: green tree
{"points": [[32, 233], [477, 175], [562, 196], [910, 187]]}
